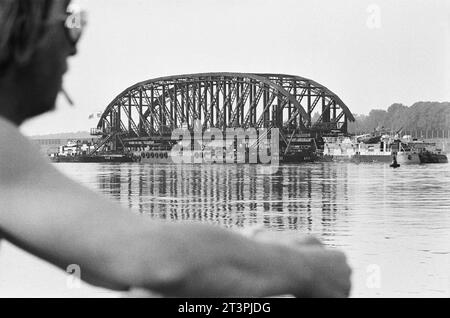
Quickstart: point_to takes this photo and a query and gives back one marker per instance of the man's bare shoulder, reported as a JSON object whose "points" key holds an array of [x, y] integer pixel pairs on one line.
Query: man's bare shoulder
{"points": [[19, 158]]}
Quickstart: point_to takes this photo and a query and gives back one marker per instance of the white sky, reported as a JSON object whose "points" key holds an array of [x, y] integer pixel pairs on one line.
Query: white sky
{"points": [[406, 59]]}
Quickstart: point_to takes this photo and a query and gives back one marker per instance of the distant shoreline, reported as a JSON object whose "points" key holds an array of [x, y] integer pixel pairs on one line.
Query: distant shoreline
{"points": [[69, 135]]}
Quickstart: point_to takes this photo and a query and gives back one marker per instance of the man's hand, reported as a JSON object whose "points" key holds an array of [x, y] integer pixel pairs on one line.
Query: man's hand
{"points": [[330, 273]]}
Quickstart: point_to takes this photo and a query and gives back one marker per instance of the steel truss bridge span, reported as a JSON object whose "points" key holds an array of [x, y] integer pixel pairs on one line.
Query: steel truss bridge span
{"points": [[151, 110]]}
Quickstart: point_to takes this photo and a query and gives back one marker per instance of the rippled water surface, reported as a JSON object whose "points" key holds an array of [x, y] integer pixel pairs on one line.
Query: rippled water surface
{"points": [[393, 224]]}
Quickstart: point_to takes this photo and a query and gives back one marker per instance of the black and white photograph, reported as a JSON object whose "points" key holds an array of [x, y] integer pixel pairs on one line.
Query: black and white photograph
{"points": [[224, 149]]}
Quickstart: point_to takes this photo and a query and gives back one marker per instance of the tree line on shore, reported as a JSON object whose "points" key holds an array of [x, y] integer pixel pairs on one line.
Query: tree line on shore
{"points": [[422, 116]]}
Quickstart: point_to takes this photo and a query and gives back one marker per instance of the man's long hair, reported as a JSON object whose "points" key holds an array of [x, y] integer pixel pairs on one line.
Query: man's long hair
{"points": [[21, 25]]}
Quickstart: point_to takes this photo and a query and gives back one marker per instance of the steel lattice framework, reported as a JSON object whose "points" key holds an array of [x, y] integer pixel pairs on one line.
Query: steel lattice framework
{"points": [[152, 109]]}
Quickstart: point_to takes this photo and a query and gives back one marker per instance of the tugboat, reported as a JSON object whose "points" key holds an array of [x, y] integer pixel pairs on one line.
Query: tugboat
{"points": [[355, 149], [79, 152], [420, 152], [432, 157], [382, 149], [303, 149]]}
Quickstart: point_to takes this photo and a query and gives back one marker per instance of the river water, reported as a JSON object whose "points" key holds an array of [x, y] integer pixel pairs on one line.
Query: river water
{"points": [[394, 225]]}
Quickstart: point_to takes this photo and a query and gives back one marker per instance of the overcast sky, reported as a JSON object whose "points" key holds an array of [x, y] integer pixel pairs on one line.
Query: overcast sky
{"points": [[371, 53]]}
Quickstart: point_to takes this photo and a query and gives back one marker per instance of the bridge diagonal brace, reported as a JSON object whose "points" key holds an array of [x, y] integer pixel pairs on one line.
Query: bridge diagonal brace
{"points": [[163, 106], [214, 102], [145, 124], [253, 106], [151, 110], [240, 104], [133, 124]]}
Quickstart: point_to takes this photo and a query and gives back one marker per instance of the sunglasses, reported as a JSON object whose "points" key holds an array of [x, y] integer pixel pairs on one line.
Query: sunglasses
{"points": [[74, 22]]}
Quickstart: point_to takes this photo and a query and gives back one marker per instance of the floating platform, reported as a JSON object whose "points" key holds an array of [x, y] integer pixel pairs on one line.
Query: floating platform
{"points": [[92, 159]]}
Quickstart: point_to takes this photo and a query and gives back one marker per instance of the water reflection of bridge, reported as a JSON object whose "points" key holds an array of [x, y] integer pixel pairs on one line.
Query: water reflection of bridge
{"points": [[297, 198]]}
